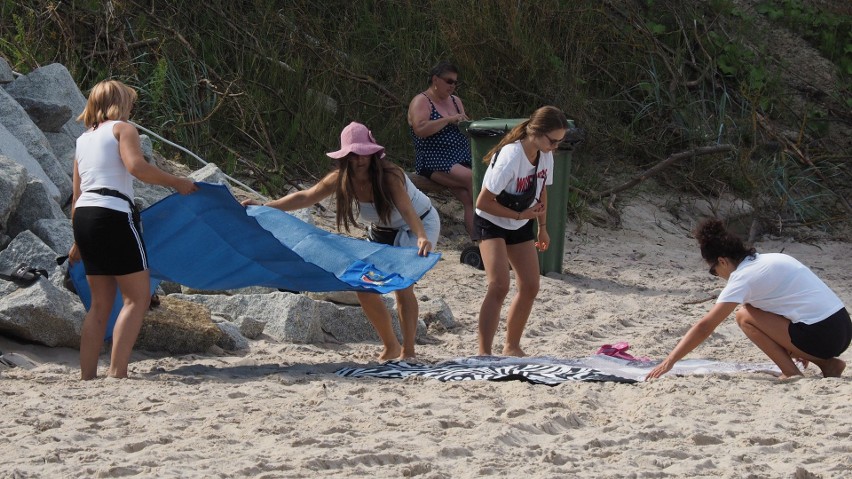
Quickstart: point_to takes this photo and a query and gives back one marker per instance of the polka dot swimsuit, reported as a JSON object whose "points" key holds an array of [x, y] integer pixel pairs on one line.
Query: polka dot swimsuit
{"points": [[442, 150]]}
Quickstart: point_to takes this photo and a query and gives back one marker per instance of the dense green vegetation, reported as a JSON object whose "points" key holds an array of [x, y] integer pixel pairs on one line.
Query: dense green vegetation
{"points": [[262, 88]]}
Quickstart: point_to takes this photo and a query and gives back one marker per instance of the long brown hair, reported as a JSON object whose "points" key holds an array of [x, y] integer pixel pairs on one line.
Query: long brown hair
{"points": [[108, 100], [381, 173], [542, 121]]}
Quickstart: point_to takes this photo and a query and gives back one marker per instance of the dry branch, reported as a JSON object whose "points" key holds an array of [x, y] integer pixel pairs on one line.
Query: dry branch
{"points": [[701, 151]]}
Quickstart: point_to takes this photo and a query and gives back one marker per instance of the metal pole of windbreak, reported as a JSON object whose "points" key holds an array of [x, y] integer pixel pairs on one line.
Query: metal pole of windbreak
{"points": [[194, 156]]}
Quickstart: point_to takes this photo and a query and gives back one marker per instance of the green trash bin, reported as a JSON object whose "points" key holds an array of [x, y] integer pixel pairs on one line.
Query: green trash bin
{"points": [[484, 135]]}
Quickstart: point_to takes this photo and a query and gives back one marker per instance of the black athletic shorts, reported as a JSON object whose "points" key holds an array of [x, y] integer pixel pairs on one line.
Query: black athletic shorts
{"points": [[488, 230], [109, 241], [826, 339]]}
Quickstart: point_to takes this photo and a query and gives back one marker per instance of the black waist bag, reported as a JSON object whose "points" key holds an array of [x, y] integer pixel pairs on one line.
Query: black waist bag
{"points": [[521, 201], [137, 217]]}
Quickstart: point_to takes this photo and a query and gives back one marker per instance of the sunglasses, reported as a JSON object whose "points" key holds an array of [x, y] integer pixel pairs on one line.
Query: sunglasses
{"points": [[552, 141], [713, 268], [450, 81]]}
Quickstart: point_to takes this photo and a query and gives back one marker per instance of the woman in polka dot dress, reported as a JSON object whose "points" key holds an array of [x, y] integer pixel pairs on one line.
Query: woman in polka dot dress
{"points": [[442, 151]]}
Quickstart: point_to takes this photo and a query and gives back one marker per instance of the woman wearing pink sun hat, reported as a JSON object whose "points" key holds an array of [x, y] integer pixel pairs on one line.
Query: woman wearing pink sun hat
{"points": [[368, 187]]}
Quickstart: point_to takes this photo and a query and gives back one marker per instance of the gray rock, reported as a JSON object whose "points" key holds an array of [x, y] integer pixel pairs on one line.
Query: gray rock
{"points": [[14, 150], [436, 314], [250, 327], [297, 318], [288, 317], [13, 182], [146, 195], [337, 297], [147, 149], [229, 292], [64, 147], [210, 173], [50, 83], [35, 204], [49, 116], [350, 324], [53, 83], [232, 340], [28, 248], [16, 120], [6, 73], [44, 312], [55, 233]]}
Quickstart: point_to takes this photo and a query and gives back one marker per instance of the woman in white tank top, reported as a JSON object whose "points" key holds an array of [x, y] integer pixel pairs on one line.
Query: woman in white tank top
{"points": [[106, 233], [370, 187]]}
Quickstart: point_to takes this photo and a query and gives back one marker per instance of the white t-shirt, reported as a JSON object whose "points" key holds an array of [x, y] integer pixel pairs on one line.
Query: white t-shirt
{"points": [[99, 166], [512, 172], [780, 284]]}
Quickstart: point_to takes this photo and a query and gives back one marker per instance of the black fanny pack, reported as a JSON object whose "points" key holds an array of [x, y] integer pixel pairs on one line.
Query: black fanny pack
{"points": [[521, 201], [137, 218], [383, 235]]}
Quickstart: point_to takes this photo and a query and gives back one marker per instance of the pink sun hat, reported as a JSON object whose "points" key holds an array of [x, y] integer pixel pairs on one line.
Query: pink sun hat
{"points": [[356, 138]]}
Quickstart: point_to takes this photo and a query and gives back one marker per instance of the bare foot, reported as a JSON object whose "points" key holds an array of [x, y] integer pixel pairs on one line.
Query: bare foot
{"points": [[389, 354], [833, 368], [406, 356], [517, 352]]}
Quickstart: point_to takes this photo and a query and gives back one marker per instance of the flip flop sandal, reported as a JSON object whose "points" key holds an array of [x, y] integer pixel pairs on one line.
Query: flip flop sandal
{"points": [[619, 350], [23, 274]]}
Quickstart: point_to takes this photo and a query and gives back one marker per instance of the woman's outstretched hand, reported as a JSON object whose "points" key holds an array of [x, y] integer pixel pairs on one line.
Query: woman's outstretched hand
{"points": [[658, 371], [185, 186], [424, 246]]}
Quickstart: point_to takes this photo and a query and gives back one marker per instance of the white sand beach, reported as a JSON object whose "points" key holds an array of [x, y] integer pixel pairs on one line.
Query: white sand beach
{"points": [[280, 411]]}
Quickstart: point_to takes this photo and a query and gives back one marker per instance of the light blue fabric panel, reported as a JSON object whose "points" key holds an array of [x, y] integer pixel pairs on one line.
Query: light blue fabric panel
{"points": [[207, 240]]}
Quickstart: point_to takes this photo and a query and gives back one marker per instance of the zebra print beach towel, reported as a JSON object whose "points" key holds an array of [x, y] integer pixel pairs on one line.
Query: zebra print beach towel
{"points": [[545, 370]]}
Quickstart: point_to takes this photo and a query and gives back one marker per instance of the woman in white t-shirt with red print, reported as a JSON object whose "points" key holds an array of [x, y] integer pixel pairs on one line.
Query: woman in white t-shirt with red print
{"points": [[787, 311], [513, 194]]}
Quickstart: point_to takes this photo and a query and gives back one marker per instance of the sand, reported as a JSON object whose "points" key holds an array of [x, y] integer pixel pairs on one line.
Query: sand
{"points": [[279, 411]]}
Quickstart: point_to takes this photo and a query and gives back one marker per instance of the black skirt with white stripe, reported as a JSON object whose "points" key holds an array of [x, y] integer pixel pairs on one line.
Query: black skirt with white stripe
{"points": [[109, 241]]}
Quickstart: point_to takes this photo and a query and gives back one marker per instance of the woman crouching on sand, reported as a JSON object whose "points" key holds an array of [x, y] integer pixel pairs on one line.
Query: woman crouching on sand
{"points": [[787, 311]]}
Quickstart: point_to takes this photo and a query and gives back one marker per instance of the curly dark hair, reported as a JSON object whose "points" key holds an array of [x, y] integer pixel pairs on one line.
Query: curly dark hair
{"points": [[716, 241]]}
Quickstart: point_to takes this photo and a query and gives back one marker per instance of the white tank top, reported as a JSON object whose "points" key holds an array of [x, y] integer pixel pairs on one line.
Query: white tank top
{"points": [[99, 166], [422, 204]]}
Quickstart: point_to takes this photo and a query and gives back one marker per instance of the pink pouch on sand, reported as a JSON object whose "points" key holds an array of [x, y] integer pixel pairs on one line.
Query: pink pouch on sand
{"points": [[619, 350]]}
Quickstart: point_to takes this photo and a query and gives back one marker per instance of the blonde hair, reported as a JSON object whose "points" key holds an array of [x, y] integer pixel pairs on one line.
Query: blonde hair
{"points": [[542, 121], [108, 100]]}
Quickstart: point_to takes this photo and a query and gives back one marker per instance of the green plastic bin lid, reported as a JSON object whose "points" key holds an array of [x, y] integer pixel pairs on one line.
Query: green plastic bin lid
{"points": [[490, 127]]}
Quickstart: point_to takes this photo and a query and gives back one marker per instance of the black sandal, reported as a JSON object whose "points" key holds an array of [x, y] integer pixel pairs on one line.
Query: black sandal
{"points": [[23, 274]]}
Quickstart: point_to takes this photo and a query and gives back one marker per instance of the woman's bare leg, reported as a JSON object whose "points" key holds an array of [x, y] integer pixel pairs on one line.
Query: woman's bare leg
{"points": [[460, 182], [408, 311], [769, 332], [375, 310], [103, 289], [524, 260], [496, 262], [136, 293]]}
